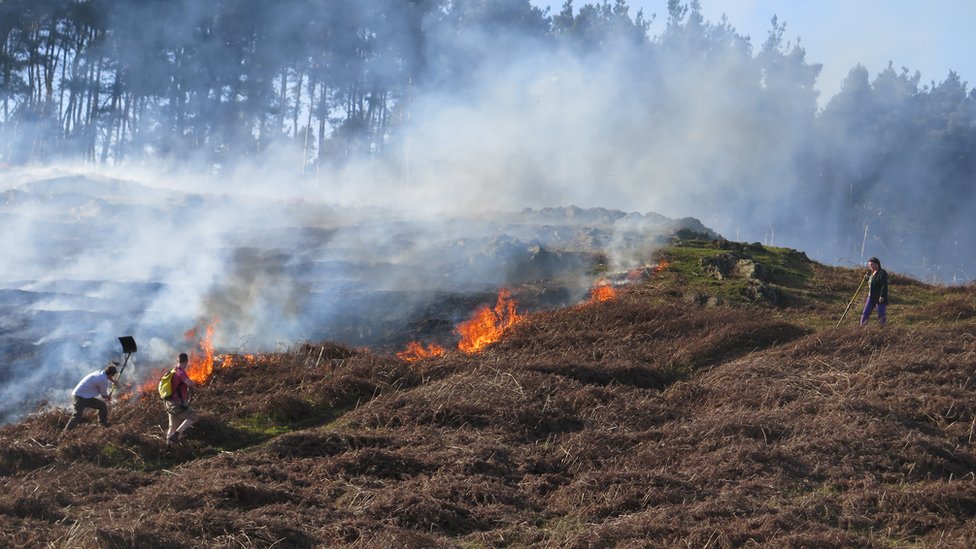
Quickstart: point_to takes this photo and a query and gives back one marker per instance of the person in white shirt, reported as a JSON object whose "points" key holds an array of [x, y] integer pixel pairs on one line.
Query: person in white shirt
{"points": [[85, 395]]}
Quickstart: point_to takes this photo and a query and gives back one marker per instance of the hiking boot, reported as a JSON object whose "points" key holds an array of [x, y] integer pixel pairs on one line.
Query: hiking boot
{"points": [[173, 439]]}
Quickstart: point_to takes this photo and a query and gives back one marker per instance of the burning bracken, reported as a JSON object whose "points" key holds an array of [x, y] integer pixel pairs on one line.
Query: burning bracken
{"points": [[228, 360], [647, 271], [416, 351], [201, 365], [488, 324], [602, 291]]}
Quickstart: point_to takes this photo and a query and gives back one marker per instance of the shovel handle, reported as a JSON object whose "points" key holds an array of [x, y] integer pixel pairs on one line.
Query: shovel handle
{"points": [[853, 297], [119, 376]]}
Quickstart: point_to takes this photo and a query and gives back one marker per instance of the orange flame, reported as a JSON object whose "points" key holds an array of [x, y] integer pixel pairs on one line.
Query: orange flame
{"points": [[150, 385], [487, 325], [125, 395], [228, 360], [639, 273], [201, 366], [416, 351], [646, 271], [602, 291]]}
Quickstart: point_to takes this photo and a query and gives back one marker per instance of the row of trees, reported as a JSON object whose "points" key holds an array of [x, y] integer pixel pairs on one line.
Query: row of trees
{"points": [[897, 162], [106, 80]]}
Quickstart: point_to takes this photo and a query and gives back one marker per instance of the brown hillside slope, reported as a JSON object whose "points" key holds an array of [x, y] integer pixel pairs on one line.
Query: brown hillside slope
{"points": [[652, 420]]}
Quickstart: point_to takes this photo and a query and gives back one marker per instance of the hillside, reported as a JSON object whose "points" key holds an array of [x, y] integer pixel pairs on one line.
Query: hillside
{"points": [[712, 403]]}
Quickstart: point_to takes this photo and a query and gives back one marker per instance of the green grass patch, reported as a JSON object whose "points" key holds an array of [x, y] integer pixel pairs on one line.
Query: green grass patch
{"points": [[783, 266], [561, 528], [113, 455], [685, 259], [261, 425], [787, 271]]}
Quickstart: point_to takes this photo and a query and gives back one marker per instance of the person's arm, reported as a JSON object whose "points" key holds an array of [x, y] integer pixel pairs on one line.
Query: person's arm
{"points": [[883, 298], [185, 385], [103, 387], [186, 379]]}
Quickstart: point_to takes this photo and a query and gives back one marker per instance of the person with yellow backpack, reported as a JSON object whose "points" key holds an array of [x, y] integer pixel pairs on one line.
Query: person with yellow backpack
{"points": [[174, 389]]}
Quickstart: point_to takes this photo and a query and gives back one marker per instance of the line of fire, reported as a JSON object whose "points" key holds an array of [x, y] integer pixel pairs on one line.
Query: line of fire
{"points": [[487, 325]]}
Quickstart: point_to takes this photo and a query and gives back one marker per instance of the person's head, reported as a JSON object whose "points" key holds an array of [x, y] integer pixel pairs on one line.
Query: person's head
{"points": [[874, 264], [184, 359], [111, 370]]}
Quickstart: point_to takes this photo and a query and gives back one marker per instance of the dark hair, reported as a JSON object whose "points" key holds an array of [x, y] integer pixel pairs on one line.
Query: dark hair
{"points": [[184, 357], [876, 261], [111, 371]]}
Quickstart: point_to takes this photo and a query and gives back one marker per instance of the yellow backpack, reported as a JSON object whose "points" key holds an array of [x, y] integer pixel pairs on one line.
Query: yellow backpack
{"points": [[166, 384]]}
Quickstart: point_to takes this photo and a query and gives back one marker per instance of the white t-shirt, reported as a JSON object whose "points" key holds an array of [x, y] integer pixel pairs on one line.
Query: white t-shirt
{"points": [[93, 385]]}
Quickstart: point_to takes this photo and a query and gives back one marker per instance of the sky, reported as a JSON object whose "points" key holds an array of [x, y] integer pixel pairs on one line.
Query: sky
{"points": [[930, 37]]}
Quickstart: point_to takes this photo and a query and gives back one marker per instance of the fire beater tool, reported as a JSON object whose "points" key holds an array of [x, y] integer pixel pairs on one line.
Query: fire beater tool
{"points": [[851, 302], [128, 347]]}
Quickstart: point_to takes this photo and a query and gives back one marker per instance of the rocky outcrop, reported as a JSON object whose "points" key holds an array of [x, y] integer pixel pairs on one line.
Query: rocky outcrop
{"points": [[737, 264]]}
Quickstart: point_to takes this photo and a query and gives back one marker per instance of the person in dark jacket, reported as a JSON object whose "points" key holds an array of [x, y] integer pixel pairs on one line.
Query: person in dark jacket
{"points": [[877, 293], [86, 393], [181, 416]]}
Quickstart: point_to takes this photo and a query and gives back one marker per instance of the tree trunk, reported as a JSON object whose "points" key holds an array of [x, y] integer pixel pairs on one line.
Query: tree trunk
{"points": [[111, 125], [298, 105], [120, 143], [93, 112], [308, 123]]}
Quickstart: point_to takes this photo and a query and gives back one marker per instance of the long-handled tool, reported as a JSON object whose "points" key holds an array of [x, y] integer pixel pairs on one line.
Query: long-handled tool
{"points": [[128, 347], [851, 302]]}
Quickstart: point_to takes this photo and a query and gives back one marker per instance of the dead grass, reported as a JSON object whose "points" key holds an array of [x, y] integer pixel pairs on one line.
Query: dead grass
{"points": [[650, 420]]}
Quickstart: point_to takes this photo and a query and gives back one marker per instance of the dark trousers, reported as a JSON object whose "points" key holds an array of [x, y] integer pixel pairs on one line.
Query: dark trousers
{"points": [[869, 306], [80, 404]]}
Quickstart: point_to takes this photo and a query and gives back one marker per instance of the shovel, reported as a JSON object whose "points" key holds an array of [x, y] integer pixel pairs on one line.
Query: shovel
{"points": [[128, 347]]}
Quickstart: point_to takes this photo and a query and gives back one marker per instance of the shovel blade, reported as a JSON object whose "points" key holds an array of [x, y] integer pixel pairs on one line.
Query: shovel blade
{"points": [[128, 344]]}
